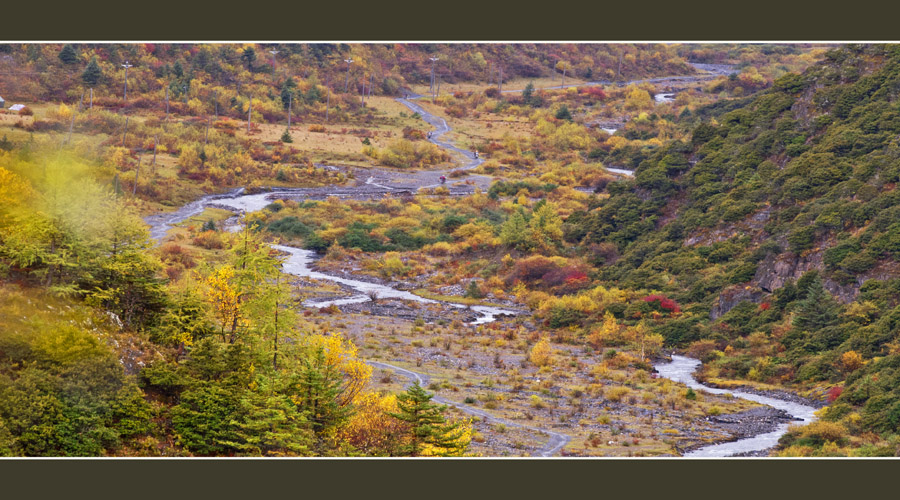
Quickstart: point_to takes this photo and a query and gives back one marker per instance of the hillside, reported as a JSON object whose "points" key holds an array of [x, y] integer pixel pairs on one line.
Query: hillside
{"points": [[775, 230]]}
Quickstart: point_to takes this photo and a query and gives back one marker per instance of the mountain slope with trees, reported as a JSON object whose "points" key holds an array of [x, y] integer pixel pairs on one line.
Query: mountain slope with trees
{"points": [[775, 229]]}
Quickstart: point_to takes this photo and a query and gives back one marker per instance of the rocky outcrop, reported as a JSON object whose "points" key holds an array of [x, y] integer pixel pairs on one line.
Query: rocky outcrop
{"points": [[777, 269], [733, 296]]}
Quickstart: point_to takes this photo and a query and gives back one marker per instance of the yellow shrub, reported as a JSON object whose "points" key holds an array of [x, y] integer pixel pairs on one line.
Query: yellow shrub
{"points": [[541, 354], [615, 394]]}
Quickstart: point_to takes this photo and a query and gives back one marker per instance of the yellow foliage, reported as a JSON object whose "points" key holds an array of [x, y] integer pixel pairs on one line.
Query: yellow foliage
{"points": [[342, 355], [13, 190], [607, 334], [63, 113], [615, 394], [463, 436], [223, 296], [371, 429], [851, 361], [541, 354]]}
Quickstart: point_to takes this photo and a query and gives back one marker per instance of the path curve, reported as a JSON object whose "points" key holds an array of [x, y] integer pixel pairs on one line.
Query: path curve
{"points": [[557, 439]]}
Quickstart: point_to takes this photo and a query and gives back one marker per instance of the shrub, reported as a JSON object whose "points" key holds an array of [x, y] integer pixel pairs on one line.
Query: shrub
{"points": [[616, 394], [541, 354], [209, 240], [175, 253]]}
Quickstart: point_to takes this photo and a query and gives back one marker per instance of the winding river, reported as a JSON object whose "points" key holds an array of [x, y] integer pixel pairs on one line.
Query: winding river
{"points": [[299, 263], [681, 370]]}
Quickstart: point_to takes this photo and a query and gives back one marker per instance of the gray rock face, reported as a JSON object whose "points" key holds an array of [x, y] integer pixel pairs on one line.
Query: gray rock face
{"points": [[733, 296], [776, 270]]}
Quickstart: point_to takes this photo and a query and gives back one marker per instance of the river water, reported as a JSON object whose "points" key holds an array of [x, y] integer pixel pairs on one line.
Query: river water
{"points": [[681, 370], [298, 263]]}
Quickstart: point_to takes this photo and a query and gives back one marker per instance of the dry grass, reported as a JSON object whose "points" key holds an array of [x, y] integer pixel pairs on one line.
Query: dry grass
{"points": [[516, 84], [572, 399]]}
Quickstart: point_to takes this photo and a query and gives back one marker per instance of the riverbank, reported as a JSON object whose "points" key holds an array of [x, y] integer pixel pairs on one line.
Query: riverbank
{"points": [[761, 435]]}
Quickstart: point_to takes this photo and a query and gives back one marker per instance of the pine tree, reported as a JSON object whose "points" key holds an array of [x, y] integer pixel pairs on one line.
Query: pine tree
{"points": [[249, 57], [92, 73], [818, 310], [287, 91], [428, 427], [68, 55], [319, 387], [528, 93], [473, 291]]}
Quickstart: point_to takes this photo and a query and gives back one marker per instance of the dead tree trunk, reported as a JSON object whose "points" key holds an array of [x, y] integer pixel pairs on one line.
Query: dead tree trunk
{"points": [[137, 172], [155, 144], [249, 114]]}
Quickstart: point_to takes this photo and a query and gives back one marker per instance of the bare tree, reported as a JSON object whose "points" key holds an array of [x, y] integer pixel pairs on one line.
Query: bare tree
{"points": [[137, 172], [347, 80]]}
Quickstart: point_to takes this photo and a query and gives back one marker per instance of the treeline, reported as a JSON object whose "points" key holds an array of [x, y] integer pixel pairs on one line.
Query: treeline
{"points": [[60, 72]]}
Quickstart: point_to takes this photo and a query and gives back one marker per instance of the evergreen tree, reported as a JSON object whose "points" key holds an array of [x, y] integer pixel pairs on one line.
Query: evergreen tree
{"points": [[68, 55], [428, 427], [818, 310], [514, 232], [249, 57], [178, 69], [528, 93], [287, 90], [319, 387], [563, 113], [92, 73], [473, 291]]}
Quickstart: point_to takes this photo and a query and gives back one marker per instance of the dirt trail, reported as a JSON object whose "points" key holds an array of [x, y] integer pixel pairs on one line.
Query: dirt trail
{"points": [[708, 72]]}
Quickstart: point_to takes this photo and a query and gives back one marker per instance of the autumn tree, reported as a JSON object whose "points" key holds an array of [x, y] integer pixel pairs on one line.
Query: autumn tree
{"points": [[638, 99], [371, 429], [224, 297], [541, 354], [851, 361], [329, 376], [607, 334], [514, 231], [546, 225], [429, 433]]}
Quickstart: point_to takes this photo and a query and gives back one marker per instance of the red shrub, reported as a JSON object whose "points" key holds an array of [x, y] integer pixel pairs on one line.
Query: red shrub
{"points": [[834, 393], [593, 91], [765, 306], [664, 302]]}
